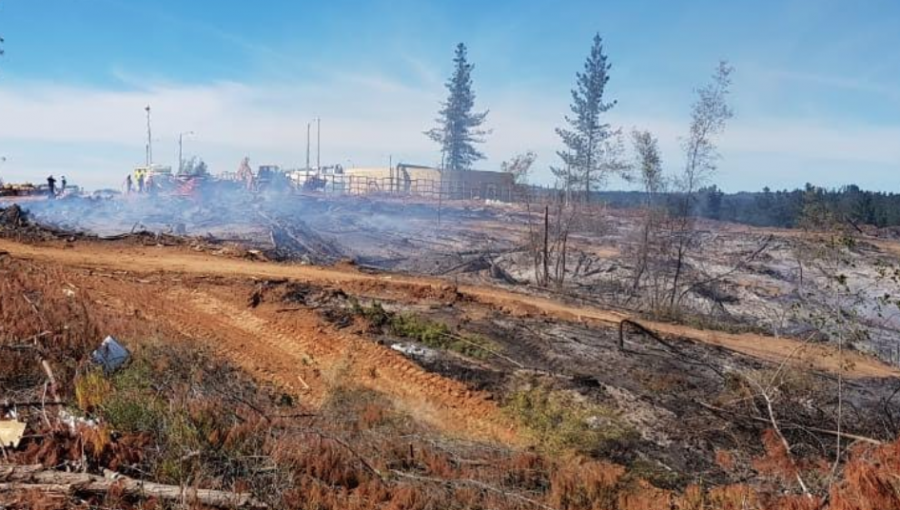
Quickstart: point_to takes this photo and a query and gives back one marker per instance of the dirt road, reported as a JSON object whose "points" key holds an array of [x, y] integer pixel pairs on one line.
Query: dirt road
{"points": [[147, 260]]}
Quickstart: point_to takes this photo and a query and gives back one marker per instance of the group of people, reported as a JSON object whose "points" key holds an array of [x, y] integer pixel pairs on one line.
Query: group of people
{"points": [[51, 186], [140, 176]]}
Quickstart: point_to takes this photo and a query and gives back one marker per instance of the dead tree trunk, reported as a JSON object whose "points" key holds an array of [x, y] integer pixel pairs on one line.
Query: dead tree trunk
{"points": [[546, 244], [17, 478]]}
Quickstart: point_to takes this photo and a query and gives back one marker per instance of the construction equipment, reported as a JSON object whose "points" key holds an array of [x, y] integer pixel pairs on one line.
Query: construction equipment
{"points": [[270, 178], [153, 178]]}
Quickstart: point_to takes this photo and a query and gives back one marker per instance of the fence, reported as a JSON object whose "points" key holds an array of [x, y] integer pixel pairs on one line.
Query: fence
{"points": [[429, 189], [434, 189]]}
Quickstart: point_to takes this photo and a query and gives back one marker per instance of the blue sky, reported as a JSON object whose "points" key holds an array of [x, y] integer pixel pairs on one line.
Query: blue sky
{"points": [[816, 91]]}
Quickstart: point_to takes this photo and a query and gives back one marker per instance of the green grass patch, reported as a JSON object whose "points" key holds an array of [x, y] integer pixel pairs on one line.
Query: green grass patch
{"points": [[132, 406], [561, 421], [434, 334], [374, 313]]}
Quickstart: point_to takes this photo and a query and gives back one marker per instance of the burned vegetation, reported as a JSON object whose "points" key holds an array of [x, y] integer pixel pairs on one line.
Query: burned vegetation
{"points": [[463, 378]]}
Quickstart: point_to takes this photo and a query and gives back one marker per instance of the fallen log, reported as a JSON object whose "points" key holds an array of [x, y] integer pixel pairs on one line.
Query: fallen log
{"points": [[644, 330], [36, 477], [655, 336], [819, 430]]}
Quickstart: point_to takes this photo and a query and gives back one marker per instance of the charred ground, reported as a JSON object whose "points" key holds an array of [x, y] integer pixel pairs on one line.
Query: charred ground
{"points": [[394, 364]]}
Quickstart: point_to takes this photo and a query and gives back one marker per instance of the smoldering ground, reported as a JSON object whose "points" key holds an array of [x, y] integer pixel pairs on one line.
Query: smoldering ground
{"points": [[477, 242], [384, 233]]}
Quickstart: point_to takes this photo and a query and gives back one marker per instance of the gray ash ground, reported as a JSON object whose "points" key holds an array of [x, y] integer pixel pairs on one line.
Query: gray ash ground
{"points": [[476, 242], [682, 401]]}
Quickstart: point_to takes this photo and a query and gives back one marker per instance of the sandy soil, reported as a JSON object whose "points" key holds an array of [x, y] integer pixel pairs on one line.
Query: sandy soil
{"points": [[224, 316]]}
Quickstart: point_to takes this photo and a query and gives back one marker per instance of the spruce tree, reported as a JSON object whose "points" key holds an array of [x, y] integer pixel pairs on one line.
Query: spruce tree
{"points": [[458, 127], [587, 135]]}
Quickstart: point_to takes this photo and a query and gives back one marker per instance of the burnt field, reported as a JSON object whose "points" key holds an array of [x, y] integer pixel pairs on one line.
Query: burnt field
{"points": [[736, 278], [393, 354]]}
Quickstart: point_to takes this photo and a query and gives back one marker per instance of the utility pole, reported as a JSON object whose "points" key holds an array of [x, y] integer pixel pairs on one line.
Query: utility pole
{"points": [[441, 186], [391, 171], [149, 139], [318, 143], [308, 126], [181, 150]]}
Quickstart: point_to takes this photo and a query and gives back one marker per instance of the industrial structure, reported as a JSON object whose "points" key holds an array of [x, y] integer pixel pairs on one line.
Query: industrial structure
{"points": [[407, 179]]}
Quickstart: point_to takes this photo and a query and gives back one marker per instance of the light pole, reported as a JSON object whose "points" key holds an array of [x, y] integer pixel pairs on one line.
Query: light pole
{"points": [[181, 149], [308, 127], [149, 139]]}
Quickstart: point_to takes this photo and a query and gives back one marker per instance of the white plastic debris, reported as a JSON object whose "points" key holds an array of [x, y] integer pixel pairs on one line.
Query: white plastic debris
{"points": [[414, 350], [73, 422], [110, 355]]}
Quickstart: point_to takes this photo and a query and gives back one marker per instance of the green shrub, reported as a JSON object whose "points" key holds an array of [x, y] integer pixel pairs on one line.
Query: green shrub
{"points": [[436, 335], [374, 313], [561, 421], [132, 406], [432, 334], [134, 413]]}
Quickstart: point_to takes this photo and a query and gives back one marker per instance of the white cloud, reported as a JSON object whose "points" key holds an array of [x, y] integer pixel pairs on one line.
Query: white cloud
{"points": [[95, 135], [851, 143], [266, 122]]}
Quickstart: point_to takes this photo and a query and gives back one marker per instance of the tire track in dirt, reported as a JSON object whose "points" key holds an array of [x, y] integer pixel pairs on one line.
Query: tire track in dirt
{"points": [[216, 334], [325, 358], [152, 303]]}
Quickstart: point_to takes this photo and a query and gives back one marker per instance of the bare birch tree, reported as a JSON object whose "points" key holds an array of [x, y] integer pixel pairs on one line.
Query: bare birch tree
{"points": [[709, 115]]}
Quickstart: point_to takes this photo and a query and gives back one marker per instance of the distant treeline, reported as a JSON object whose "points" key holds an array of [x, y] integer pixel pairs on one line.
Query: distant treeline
{"points": [[785, 208]]}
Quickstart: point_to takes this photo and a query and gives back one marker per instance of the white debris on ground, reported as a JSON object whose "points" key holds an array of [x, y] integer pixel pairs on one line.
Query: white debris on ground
{"points": [[74, 422], [415, 351]]}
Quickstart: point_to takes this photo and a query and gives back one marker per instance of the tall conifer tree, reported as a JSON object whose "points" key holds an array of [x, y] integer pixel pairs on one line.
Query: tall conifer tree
{"points": [[459, 128], [587, 134]]}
